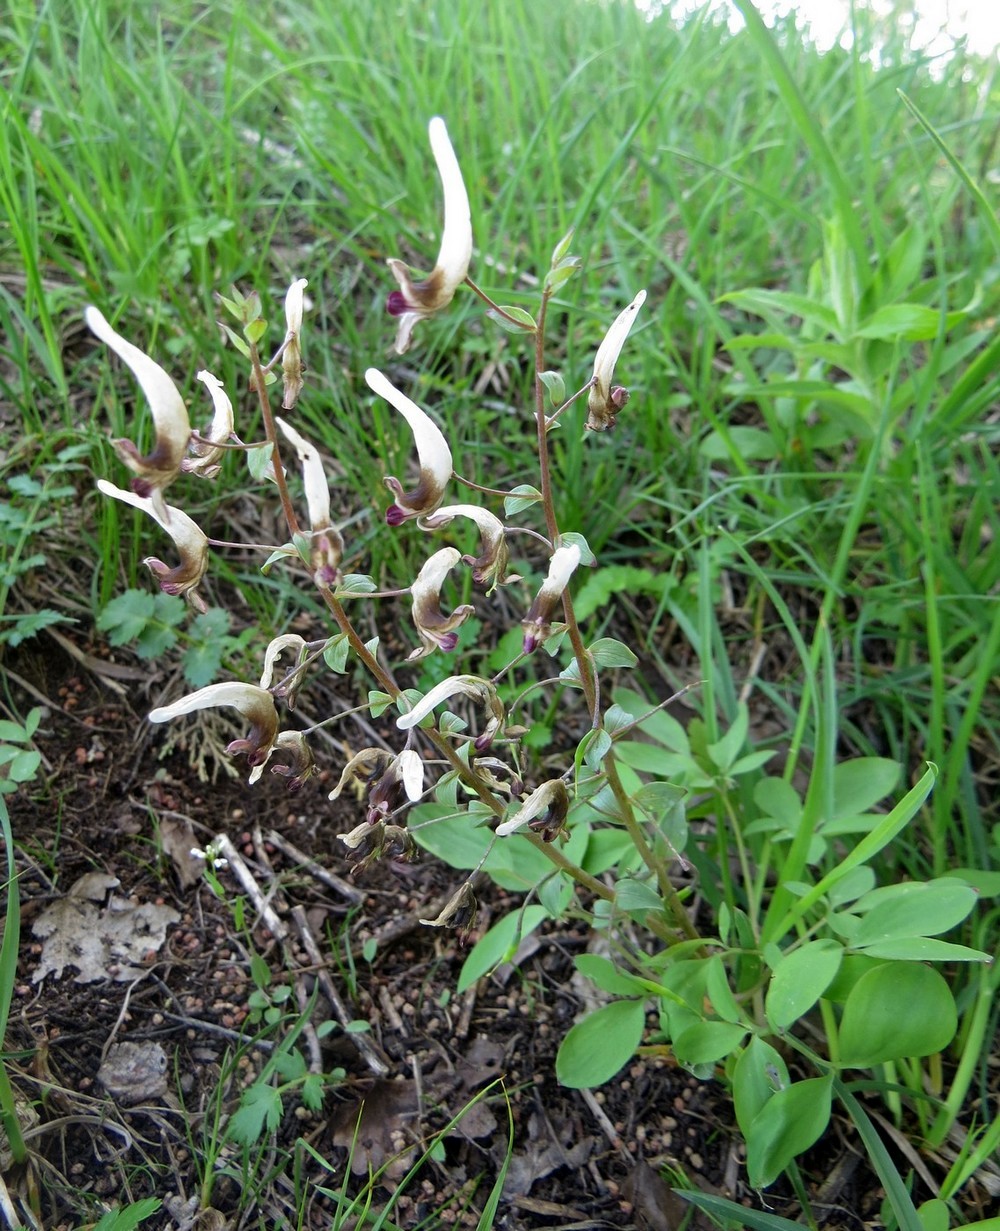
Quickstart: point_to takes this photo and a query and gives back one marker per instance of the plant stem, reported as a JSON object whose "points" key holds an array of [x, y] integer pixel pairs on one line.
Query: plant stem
{"points": [[260, 388]]}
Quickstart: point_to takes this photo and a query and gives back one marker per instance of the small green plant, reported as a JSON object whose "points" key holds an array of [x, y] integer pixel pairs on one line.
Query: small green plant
{"points": [[19, 763]]}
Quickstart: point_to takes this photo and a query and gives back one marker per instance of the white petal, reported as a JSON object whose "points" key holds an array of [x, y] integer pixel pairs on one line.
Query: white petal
{"points": [[247, 698], [186, 534], [274, 651], [170, 416], [561, 566], [431, 577], [614, 340], [294, 302], [490, 526], [222, 420], [440, 692], [411, 770], [432, 448], [456, 238], [313, 476]]}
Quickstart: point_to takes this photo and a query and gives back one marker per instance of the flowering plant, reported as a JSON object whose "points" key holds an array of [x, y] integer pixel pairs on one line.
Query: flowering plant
{"points": [[604, 835]]}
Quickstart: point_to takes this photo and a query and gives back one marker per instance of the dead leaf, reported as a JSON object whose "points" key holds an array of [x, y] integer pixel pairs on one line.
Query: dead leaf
{"points": [[100, 943], [178, 840], [134, 1072], [655, 1205], [385, 1112]]}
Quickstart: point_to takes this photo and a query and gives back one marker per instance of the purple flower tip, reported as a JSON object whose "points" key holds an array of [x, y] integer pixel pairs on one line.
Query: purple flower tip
{"points": [[530, 644], [396, 304], [448, 641], [394, 515]]}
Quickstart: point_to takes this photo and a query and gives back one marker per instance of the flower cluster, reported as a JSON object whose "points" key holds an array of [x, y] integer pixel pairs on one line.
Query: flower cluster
{"points": [[388, 782]]}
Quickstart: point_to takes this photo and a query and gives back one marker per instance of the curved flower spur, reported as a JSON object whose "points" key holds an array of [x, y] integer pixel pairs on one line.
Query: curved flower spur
{"points": [[419, 297], [606, 400], [433, 455]]}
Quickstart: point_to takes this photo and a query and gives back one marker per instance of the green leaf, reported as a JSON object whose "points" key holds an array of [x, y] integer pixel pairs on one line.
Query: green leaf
{"points": [[313, 1089], [562, 247], [895, 1011], [708, 1042], [600, 585], [604, 974], [24, 765], [124, 618], [355, 583], [607, 652], [520, 498], [499, 944], [378, 702], [155, 640], [783, 303], [572, 539], [335, 653], [727, 1212], [201, 663], [129, 1217], [258, 461], [594, 747], [634, 895], [910, 322], [926, 949], [759, 1073], [787, 1125], [753, 444], [602, 1043], [28, 625], [923, 910], [725, 750], [522, 322], [556, 387], [720, 994], [260, 1108], [800, 980], [861, 783]]}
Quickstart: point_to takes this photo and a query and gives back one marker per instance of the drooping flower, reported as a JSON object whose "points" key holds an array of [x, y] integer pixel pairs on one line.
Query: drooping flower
{"points": [[157, 469], [255, 704], [544, 811], [390, 779], [365, 843], [479, 690], [326, 545], [433, 455], [460, 911], [419, 297], [291, 354], [275, 648], [205, 455], [301, 765], [606, 400], [436, 630], [190, 541], [536, 623], [489, 568]]}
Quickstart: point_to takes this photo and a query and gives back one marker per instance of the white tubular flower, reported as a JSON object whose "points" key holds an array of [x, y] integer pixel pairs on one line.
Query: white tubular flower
{"points": [[490, 567], [157, 469], [436, 630], [479, 690], [204, 458], [433, 455], [536, 623], [366, 766], [252, 702], [606, 400], [424, 296], [544, 811], [301, 765], [191, 544], [389, 778], [291, 355], [327, 545]]}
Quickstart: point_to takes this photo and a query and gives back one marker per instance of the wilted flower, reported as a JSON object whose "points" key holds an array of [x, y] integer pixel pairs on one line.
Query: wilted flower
{"points": [[606, 400], [205, 455], [158, 468], [390, 779], [433, 455], [301, 766], [490, 567], [479, 690], [544, 811], [425, 296], [435, 628], [459, 913], [189, 540], [253, 703], [364, 843], [275, 648], [291, 354], [399, 844], [403, 779], [326, 546], [536, 623]]}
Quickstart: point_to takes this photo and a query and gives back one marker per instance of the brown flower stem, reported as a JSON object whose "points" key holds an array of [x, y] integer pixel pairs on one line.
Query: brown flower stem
{"points": [[269, 430], [675, 906]]}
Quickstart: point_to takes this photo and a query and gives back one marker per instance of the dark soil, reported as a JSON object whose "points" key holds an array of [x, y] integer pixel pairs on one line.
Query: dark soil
{"points": [[109, 804]]}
